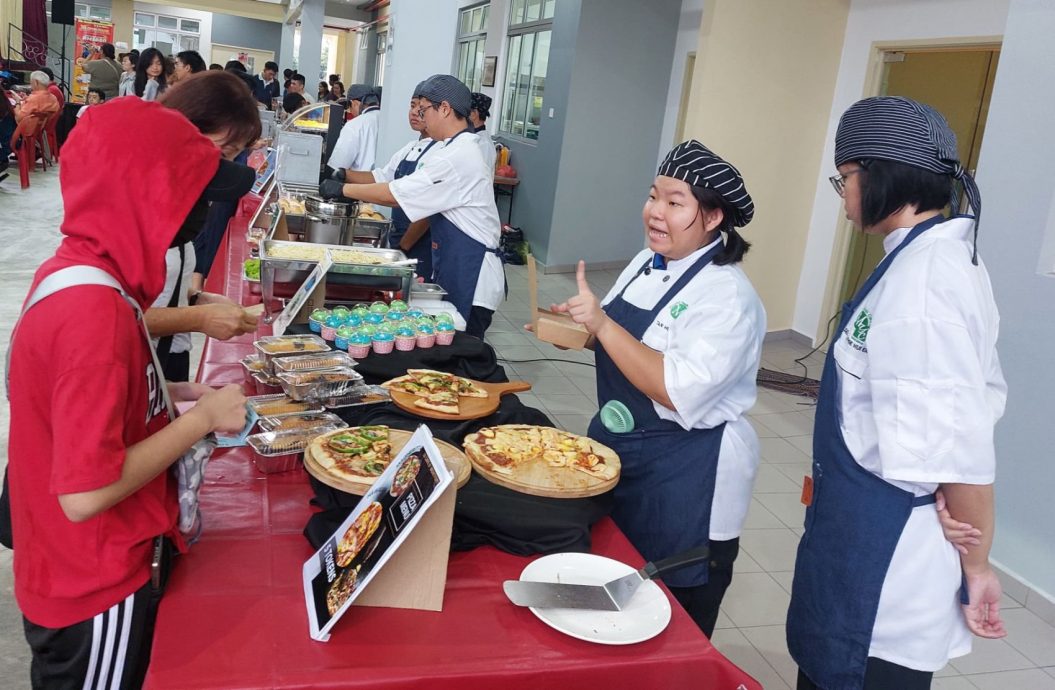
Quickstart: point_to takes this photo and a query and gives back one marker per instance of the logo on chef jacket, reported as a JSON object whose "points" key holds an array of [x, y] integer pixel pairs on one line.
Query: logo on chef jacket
{"points": [[678, 309], [860, 327], [155, 397]]}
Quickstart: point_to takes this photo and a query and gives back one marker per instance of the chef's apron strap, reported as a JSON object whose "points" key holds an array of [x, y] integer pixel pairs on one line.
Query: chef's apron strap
{"points": [[924, 500]]}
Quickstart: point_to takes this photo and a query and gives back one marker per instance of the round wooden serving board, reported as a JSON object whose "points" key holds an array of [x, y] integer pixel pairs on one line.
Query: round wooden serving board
{"points": [[537, 478], [471, 408], [456, 461]]}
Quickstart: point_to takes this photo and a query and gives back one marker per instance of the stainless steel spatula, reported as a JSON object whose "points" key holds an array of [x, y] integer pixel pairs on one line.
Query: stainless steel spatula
{"points": [[612, 596]]}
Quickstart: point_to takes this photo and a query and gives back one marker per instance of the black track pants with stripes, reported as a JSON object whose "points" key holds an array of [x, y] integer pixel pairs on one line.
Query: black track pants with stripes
{"points": [[109, 651]]}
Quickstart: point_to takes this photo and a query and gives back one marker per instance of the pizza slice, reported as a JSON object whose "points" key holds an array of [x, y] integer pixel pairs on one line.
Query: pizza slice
{"points": [[445, 401], [468, 389], [433, 380]]}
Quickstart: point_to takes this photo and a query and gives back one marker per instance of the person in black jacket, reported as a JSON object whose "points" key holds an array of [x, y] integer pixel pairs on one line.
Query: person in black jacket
{"points": [[266, 87]]}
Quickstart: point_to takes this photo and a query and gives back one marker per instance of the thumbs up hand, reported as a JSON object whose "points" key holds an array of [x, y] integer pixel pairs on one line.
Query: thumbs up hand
{"points": [[584, 308]]}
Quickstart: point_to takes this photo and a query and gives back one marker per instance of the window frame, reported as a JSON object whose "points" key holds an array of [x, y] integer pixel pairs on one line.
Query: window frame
{"points": [[179, 34], [507, 118], [474, 41]]}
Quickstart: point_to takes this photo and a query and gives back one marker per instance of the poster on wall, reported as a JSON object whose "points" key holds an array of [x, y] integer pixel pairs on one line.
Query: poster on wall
{"points": [[89, 36]]}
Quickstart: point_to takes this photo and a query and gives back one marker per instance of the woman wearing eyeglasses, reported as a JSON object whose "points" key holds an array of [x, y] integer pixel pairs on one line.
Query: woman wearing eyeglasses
{"points": [[910, 394]]}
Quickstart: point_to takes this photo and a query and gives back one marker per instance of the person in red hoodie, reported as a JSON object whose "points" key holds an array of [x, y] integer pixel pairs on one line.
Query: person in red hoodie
{"points": [[90, 445]]}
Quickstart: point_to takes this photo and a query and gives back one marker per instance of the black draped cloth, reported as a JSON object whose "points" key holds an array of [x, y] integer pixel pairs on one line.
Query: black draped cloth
{"points": [[484, 513]]}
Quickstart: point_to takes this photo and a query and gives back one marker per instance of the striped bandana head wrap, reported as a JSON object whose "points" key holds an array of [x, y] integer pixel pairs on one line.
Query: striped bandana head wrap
{"points": [[905, 131], [694, 163]]}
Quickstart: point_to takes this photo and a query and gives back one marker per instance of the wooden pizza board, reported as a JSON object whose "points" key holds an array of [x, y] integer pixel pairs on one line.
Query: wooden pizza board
{"points": [[456, 461], [471, 408], [537, 478]]}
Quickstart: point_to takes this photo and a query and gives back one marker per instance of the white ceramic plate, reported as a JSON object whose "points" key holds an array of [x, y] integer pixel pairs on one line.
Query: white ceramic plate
{"points": [[644, 617]]}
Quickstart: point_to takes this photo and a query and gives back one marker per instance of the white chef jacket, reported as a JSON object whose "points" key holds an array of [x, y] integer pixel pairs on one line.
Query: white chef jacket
{"points": [[412, 151], [921, 390], [711, 354], [181, 342], [453, 180], [356, 146], [487, 149]]}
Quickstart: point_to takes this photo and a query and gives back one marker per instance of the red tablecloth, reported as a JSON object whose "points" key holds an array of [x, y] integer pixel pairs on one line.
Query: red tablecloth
{"points": [[234, 614]]}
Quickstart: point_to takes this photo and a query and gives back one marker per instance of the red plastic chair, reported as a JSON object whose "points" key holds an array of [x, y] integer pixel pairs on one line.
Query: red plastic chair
{"points": [[25, 142], [53, 136]]}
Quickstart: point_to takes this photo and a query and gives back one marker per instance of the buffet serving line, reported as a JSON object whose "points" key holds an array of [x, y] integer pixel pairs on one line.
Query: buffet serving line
{"points": [[234, 612]]}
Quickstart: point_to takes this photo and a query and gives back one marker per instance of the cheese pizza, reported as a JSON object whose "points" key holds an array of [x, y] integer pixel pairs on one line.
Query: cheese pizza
{"points": [[504, 448]]}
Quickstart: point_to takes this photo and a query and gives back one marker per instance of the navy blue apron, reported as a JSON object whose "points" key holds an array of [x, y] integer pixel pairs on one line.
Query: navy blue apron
{"points": [[853, 525], [663, 498], [422, 249], [456, 258]]}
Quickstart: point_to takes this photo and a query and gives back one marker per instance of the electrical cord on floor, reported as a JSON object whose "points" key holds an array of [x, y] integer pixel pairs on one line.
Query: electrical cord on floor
{"points": [[828, 329], [544, 359]]}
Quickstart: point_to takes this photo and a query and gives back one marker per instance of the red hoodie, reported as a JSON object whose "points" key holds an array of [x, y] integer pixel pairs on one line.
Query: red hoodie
{"points": [[82, 383]]}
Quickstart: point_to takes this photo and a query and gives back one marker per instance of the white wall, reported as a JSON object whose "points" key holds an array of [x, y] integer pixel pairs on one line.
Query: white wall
{"points": [[688, 37], [873, 21], [1017, 180], [423, 34], [205, 42]]}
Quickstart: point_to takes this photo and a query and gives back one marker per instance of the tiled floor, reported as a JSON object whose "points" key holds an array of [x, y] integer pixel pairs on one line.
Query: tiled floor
{"points": [[751, 625]]}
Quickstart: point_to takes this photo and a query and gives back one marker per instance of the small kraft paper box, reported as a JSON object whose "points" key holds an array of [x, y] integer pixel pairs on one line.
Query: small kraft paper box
{"points": [[551, 327]]}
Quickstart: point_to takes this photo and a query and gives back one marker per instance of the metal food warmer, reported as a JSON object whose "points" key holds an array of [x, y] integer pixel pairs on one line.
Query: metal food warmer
{"points": [[346, 282]]}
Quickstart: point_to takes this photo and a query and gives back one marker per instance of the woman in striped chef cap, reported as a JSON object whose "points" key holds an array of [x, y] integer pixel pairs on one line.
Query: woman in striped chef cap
{"points": [[910, 393]]}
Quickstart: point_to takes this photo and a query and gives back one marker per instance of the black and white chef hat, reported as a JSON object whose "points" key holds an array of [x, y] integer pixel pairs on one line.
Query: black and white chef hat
{"points": [[902, 130], [694, 163], [481, 103], [444, 87]]}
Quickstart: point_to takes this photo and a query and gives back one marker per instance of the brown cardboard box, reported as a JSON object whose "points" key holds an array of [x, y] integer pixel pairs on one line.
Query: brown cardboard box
{"points": [[550, 327]]}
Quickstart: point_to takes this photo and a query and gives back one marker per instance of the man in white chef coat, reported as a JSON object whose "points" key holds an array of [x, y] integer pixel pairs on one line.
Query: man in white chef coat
{"points": [[454, 189], [356, 146]]}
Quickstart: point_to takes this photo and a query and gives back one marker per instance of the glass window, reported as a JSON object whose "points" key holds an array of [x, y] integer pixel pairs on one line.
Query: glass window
{"points": [[142, 19], [527, 63], [168, 23], [472, 36], [382, 56], [516, 13], [190, 26]]}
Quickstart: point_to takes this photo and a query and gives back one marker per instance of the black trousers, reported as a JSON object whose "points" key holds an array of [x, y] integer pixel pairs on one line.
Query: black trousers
{"points": [[881, 675], [177, 366], [111, 649], [702, 602], [479, 321]]}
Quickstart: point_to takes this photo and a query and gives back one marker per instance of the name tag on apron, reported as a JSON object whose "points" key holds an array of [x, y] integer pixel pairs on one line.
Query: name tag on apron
{"points": [[807, 490]]}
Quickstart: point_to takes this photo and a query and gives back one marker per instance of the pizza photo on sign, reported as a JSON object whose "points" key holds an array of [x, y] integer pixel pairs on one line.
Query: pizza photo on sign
{"points": [[358, 534], [341, 589], [405, 475]]}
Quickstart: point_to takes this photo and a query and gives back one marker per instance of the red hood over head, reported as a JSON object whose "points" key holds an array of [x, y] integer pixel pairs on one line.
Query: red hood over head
{"points": [[131, 171]]}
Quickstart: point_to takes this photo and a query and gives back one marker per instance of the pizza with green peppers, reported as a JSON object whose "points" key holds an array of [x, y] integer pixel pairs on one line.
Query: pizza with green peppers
{"points": [[357, 454]]}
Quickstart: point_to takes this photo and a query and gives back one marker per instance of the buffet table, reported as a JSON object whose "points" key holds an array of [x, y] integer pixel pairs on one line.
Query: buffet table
{"points": [[234, 614]]}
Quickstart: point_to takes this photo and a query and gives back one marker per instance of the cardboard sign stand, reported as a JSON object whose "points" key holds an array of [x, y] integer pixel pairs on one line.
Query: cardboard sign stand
{"points": [[416, 575], [550, 327]]}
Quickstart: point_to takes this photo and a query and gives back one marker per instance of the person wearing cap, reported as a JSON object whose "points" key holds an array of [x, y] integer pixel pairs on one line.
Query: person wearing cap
{"points": [[413, 239], [91, 445], [678, 342], [911, 391], [478, 114], [357, 144], [453, 188]]}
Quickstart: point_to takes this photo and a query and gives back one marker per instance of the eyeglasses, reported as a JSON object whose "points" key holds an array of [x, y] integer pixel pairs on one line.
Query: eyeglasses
{"points": [[839, 181], [423, 108]]}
